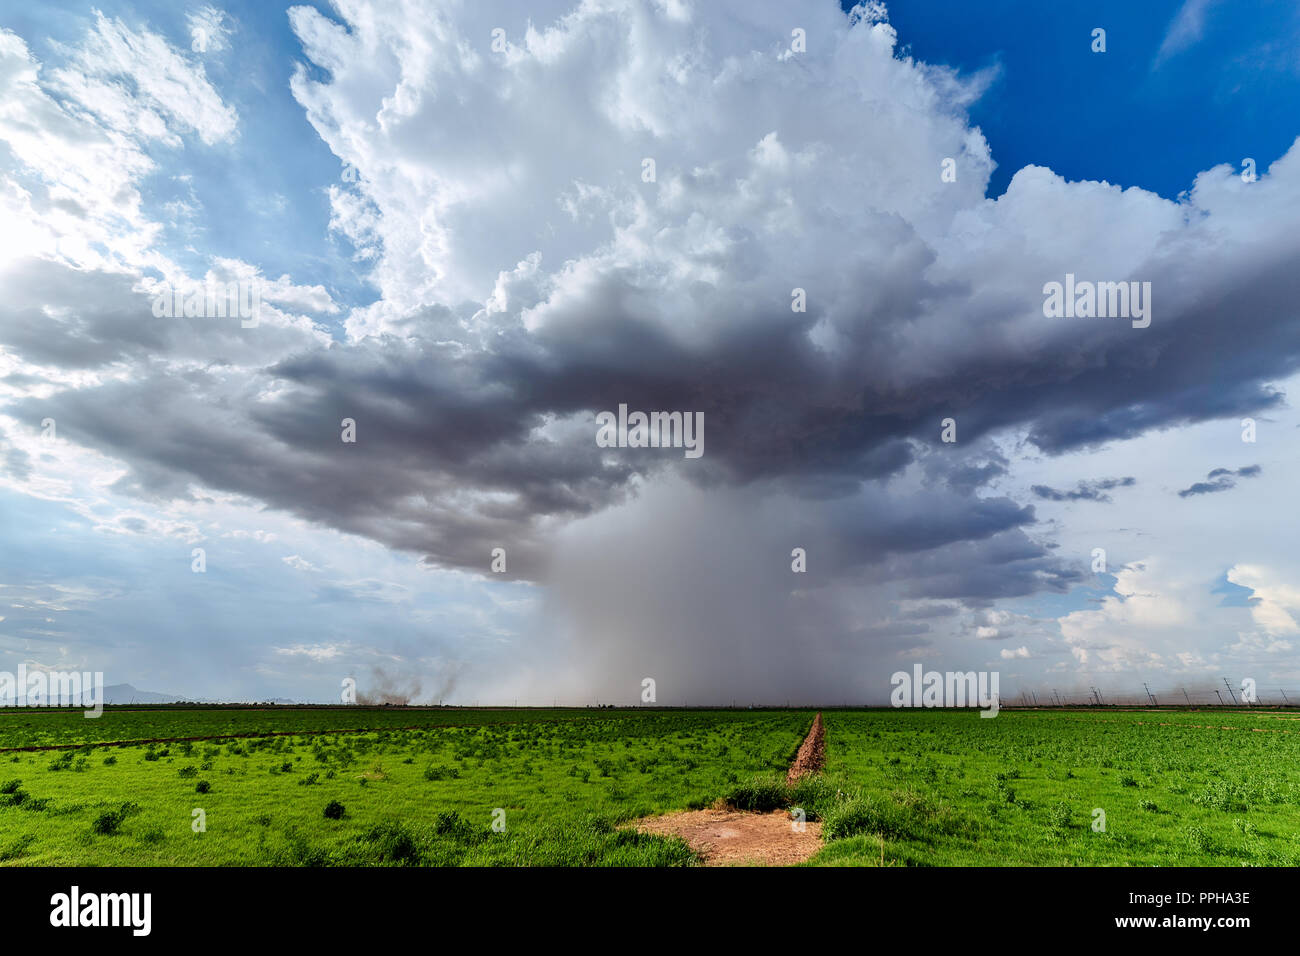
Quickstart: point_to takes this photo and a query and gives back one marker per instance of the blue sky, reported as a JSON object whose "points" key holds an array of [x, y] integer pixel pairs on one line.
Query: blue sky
{"points": [[498, 270], [269, 183], [1131, 115]]}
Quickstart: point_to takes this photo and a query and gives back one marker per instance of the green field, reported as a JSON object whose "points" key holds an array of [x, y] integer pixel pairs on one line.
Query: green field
{"points": [[424, 786], [1201, 788]]}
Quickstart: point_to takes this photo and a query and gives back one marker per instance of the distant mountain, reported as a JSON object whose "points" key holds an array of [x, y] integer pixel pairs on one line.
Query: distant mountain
{"points": [[128, 694]]}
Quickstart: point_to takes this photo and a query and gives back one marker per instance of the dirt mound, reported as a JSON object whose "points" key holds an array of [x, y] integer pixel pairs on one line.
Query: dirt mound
{"points": [[734, 838], [812, 752]]}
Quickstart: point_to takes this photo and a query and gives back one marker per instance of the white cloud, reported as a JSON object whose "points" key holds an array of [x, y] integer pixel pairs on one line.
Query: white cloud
{"points": [[1186, 29], [137, 80], [1276, 601], [1150, 610], [209, 29], [315, 652], [79, 155], [575, 106]]}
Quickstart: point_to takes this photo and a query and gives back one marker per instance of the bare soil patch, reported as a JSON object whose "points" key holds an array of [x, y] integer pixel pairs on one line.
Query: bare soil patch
{"points": [[734, 838]]}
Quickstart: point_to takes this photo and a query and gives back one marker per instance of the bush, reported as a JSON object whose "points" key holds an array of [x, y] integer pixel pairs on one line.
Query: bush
{"points": [[863, 815], [1059, 815], [901, 816], [1223, 796], [202, 787], [393, 843], [110, 821], [450, 824], [1199, 839], [334, 810], [298, 851], [761, 795], [16, 848], [814, 794]]}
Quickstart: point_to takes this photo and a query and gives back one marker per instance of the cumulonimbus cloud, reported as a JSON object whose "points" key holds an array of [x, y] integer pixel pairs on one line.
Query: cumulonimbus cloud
{"points": [[532, 274]]}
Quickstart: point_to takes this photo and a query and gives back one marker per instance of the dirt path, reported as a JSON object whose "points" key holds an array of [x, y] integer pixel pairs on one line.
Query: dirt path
{"points": [[725, 837], [812, 752]]}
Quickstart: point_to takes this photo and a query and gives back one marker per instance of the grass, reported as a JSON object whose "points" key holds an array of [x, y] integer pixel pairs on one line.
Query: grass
{"points": [[1035, 788], [392, 787], [556, 785]]}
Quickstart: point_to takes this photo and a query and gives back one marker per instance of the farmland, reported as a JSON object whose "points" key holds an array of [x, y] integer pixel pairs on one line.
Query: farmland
{"points": [[421, 787], [406, 786], [1199, 788]]}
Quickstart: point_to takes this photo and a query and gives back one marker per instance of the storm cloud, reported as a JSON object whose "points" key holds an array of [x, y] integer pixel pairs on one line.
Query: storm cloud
{"points": [[1220, 479], [796, 270]]}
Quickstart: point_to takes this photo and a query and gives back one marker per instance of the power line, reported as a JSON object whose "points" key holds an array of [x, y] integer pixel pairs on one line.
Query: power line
{"points": [[1230, 693]]}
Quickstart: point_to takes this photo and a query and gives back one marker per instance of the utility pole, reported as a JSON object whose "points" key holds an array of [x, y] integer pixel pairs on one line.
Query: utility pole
{"points": [[1230, 693], [1284, 697], [1035, 696], [1220, 696], [1099, 697], [1150, 697], [1186, 698]]}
